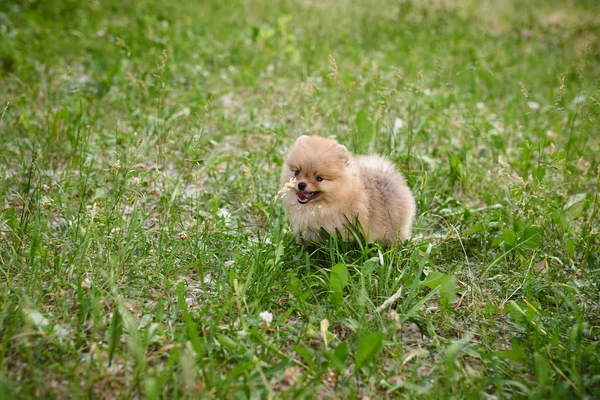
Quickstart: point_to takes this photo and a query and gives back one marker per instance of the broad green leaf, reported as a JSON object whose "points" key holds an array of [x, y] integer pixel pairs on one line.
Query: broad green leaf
{"points": [[338, 356], [368, 346], [434, 279], [515, 311], [531, 238], [509, 236], [342, 351], [478, 227], [338, 280], [447, 290], [340, 273], [446, 285]]}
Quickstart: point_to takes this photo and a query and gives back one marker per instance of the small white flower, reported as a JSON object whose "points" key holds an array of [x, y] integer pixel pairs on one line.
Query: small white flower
{"points": [[398, 124], [534, 105], [267, 317]]}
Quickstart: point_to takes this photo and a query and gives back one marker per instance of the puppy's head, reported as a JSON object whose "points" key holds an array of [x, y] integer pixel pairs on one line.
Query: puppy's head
{"points": [[323, 169]]}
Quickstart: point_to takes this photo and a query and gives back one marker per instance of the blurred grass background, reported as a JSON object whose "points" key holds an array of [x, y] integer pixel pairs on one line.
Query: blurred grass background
{"points": [[140, 146]]}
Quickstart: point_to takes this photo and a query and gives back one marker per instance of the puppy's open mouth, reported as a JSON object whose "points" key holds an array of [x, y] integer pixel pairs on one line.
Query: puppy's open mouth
{"points": [[305, 197]]}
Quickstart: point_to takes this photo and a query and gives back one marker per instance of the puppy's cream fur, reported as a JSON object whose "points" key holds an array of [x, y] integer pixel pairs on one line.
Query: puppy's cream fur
{"points": [[334, 190]]}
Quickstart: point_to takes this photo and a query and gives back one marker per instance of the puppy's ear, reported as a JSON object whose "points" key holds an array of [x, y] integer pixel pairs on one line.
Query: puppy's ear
{"points": [[343, 153], [301, 139]]}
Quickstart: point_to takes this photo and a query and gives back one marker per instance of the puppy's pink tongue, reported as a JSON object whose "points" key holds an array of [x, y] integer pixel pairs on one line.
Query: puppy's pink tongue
{"points": [[302, 195]]}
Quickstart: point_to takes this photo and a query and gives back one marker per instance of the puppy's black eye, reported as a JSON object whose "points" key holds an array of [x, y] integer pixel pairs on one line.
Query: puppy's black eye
{"points": [[296, 173], [319, 179]]}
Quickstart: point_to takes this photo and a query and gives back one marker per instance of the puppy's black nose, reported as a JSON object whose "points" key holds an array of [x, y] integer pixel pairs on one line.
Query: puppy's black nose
{"points": [[301, 186]]}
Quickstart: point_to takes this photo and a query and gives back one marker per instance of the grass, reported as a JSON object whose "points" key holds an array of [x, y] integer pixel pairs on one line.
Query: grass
{"points": [[140, 239]]}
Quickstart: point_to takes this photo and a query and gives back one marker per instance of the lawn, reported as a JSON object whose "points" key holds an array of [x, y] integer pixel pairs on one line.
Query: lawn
{"points": [[143, 251]]}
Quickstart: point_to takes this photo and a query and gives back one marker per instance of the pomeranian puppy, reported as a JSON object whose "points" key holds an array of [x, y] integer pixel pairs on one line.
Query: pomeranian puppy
{"points": [[324, 186]]}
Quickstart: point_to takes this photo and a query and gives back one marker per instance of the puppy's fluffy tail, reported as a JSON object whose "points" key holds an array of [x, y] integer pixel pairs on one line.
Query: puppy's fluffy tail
{"points": [[408, 208], [377, 163], [393, 181]]}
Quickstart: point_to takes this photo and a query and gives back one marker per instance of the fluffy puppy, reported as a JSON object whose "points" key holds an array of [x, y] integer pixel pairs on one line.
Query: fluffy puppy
{"points": [[324, 186]]}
